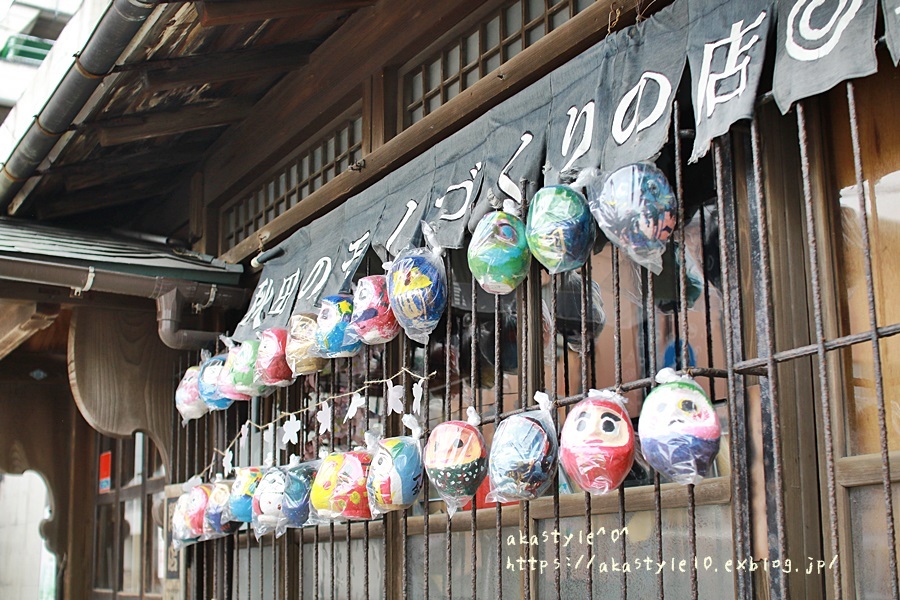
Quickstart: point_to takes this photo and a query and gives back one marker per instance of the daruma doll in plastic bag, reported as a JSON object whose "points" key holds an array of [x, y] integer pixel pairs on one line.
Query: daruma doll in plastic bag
{"points": [[271, 364], [243, 370], [199, 497], [396, 475], [228, 377], [301, 346], [295, 505], [331, 331], [417, 288], [187, 396], [597, 443], [560, 230], [267, 501], [498, 254], [240, 503], [679, 429], [182, 535], [373, 321], [208, 383], [213, 523], [523, 459], [456, 462], [636, 209], [339, 490]]}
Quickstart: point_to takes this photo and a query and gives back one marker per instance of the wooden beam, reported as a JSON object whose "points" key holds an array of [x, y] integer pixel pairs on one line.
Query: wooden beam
{"points": [[248, 11], [548, 53], [20, 320], [94, 199], [133, 128], [200, 69], [121, 159], [102, 173]]}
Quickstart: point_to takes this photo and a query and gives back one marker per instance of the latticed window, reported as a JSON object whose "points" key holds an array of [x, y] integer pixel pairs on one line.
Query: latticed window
{"points": [[332, 153], [475, 52]]}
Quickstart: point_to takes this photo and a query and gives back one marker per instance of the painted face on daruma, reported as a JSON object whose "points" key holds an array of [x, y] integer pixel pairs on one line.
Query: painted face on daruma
{"points": [[199, 497], [523, 458], [456, 458], [373, 321], [218, 499], [395, 476], [679, 431], [597, 445], [295, 504], [241, 501], [301, 342], [417, 289], [334, 317], [640, 206], [325, 482], [498, 254], [350, 499], [267, 499], [560, 230]]}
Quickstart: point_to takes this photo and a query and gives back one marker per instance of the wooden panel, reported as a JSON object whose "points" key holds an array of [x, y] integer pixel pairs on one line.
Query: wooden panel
{"points": [[20, 320], [122, 375], [231, 168], [853, 471], [230, 13]]}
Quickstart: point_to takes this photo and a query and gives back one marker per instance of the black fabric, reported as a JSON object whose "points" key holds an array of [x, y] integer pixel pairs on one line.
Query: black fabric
{"points": [[726, 55], [642, 69], [843, 46], [408, 196]]}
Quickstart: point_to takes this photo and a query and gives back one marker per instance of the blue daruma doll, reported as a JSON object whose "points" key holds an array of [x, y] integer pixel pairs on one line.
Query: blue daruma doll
{"points": [[523, 458], [417, 289], [679, 429], [331, 331], [396, 474], [295, 504], [498, 253], [560, 230]]}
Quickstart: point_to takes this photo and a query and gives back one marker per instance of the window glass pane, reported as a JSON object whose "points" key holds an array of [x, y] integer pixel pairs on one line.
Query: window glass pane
{"points": [[104, 568], [868, 527], [132, 526], [512, 19], [154, 571], [492, 33], [452, 60]]}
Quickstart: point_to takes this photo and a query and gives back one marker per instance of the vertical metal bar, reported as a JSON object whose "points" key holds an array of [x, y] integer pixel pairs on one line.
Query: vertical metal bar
{"points": [[876, 346], [318, 439], [584, 391], [366, 524], [650, 317], [426, 401], [350, 442], [768, 385], [304, 404], [446, 417], [498, 411], [259, 417], [554, 385], [617, 359], [332, 447], [524, 326], [474, 370], [404, 519]]}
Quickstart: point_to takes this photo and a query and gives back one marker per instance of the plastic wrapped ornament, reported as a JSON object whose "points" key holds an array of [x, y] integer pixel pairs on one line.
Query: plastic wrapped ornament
{"points": [[331, 330], [199, 497], [301, 344], [679, 429], [187, 396], [240, 503], [267, 501], [373, 321], [339, 490], [560, 230], [456, 462], [208, 383], [597, 443], [271, 364], [182, 535], [213, 523], [295, 504], [498, 253], [636, 209], [228, 376], [417, 288], [523, 458], [396, 475]]}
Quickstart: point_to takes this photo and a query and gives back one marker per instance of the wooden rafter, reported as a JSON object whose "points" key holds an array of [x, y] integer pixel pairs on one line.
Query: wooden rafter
{"points": [[105, 197], [247, 11], [106, 172], [20, 320], [224, 66]]}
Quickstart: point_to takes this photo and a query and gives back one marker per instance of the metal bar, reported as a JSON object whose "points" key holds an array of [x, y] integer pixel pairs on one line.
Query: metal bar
{"points": [[446, 417], [404, 527], [584, 390], [553, 387], [876, 346], [350, 386], [332, 448], [426, 400], [474, 370], [366, 425], [650, 310], [617, 359], [498, 409]]}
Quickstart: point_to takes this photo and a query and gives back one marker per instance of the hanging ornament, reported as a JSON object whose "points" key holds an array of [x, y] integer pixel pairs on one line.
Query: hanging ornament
{"points": [[498, 253], [395, 399], [523, 457], [396, 474], [324, 418], [331, 328], [240, 502], [373, 321], [291, 431], [187, 396], [228, 463], [339, 490], [301, 344], [208, 383], [271, 366], [417, 396], [417, 288], [456, 462], [357, 401], [560, 230]]}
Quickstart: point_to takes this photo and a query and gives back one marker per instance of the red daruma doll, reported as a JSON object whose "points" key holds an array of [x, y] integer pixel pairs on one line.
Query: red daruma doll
{"points": [[271, 365], [597, 442]]}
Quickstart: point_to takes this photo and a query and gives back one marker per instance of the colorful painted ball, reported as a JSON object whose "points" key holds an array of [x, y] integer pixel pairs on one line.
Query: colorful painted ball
{"points": [[181, 531], [636, 209], [679, 431], [373, 321], [213, 523], [396, 475], [267, 499], [301, 345], [199, 497], [331, 330], [240, 503], [456, 459], [187, 396], [523, 458], [228, 376], [498, 254], [597, 444], [271, 363], [208, 383], [560, 230], [417, 288], [295, 505], [339, 490]]}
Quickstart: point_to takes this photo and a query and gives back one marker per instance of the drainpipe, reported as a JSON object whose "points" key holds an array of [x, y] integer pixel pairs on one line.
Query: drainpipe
{"points": [[171, 295], [112, 35]]}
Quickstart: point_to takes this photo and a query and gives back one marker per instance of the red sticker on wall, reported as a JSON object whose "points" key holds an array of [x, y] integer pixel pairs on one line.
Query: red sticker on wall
{"points": [[105, 472]]}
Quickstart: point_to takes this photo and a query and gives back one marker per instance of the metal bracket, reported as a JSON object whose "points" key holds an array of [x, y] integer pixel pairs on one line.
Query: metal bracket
{"points": [[209, 301], [88, 284]]}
